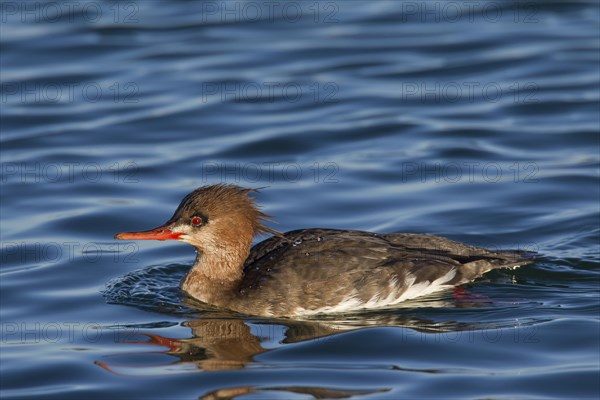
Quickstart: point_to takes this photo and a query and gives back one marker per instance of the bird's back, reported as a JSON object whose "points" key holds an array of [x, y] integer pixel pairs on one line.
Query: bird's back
{"points": [[314, 271]]}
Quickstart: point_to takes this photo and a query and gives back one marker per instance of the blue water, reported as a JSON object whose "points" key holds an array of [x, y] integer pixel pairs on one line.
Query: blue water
{"points": [[478, 121]]}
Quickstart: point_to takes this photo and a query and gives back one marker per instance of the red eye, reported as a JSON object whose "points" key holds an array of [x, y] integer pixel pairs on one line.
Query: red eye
{"points": [[196, 221]]}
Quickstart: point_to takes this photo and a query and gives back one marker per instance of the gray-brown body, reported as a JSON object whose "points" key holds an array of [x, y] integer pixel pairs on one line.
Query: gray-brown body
{"points": [[316, 270]]}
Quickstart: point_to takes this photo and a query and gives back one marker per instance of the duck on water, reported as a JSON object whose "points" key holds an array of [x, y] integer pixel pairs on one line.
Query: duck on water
{"points": [[310, 271]]}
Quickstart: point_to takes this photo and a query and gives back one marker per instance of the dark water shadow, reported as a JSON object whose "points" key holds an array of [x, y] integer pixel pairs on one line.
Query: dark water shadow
{"points": [[314, 392]]}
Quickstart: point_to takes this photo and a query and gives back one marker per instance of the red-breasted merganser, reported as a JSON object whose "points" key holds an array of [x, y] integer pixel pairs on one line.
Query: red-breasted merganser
{"points": [[310, 271]]}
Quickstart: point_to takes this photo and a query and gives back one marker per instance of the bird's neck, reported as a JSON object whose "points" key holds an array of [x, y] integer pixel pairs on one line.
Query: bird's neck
{"points": [[216, 273]]}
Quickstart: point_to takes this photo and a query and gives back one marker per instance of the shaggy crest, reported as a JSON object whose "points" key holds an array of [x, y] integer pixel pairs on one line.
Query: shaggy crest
{"points": [[224, 199]]}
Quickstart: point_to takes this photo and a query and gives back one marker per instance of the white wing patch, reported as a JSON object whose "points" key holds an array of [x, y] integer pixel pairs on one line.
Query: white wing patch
{"points": [[395, 295], [424, 288]]}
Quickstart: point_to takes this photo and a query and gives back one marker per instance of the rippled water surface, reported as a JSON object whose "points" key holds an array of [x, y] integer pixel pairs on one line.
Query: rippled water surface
{"points": [[478, 121]]}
